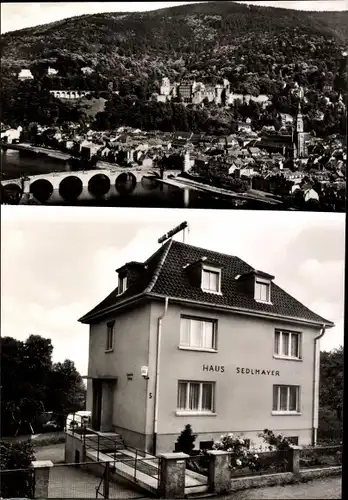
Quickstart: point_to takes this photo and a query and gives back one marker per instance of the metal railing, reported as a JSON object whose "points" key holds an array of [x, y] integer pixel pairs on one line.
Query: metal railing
{"points": [[198, 464], [138, 460], [267, 462], [320, 456]]}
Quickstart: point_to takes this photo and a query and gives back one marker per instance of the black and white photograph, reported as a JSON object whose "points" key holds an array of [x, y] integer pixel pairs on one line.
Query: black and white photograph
{"points": [[175, 104], [173, 228], [167, 339]]}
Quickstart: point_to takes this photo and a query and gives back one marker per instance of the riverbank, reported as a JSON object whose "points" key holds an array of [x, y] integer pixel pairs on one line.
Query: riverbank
{"points": [[251, 195]]}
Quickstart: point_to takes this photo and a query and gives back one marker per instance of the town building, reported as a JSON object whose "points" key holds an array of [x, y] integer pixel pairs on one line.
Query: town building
{"points": [[52, 71], [194, 336], [69, 94], [25, 74]]}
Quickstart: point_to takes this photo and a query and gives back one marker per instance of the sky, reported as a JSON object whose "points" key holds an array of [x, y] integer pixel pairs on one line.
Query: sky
{"points": [[59, 262], [15, 16]]}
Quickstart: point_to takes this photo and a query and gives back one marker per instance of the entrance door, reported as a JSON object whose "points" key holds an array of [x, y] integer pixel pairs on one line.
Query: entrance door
{"points": [[97, 402]]}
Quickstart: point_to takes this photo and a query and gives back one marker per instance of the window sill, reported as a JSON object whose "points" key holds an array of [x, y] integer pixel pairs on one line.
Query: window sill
{"points": [[287, 358], [185, 413], [109, 350], [286, 413], [264, 302], [199, 349], [211, 291]]}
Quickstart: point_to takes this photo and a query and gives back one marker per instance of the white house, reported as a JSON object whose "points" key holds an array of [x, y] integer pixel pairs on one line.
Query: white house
{"points": [[25, 74], [52, 72], [12, 134]]}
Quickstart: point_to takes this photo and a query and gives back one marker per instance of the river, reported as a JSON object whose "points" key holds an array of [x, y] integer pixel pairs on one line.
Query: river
{"points": [[143, 194]]}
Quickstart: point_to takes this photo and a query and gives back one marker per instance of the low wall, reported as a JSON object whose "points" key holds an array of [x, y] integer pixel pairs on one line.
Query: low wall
{"points": [[244, 483], [73, 444]]}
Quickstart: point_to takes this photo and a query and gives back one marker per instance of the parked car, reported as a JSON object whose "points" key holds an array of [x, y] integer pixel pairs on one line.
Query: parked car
{"points": [[79, 419]]}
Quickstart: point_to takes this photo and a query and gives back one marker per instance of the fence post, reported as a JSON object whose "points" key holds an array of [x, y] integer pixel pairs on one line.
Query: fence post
{"points": [[294, 459], [219, 472], [106, 480], [172, 475], [41, 477]]}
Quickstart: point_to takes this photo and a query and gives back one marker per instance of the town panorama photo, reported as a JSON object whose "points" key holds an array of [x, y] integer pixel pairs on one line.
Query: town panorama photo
{"points": [[200, 105]]}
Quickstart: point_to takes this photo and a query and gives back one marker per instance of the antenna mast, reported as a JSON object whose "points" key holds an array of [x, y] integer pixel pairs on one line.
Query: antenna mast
{"points": [[182, 227]]}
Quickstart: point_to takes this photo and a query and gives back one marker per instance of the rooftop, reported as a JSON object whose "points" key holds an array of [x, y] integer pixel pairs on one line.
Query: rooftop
{"points": [[165, 275]]}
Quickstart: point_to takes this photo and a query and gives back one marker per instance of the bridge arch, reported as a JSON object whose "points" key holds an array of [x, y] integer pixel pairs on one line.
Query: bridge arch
{"points": [[41, 189], [70, 188], [125, 183], [11, 193], [99, 185], [149, 183]]}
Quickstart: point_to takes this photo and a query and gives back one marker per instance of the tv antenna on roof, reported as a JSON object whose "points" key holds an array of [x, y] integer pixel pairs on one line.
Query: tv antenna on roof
{"points": [[182, 227]]}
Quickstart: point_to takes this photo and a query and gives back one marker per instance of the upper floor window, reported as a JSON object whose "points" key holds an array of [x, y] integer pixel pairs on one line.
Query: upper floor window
{"points": [[287, 344], [286, 399], [110, 336], [262, 290], [211, 279], [122, 284], [198, 333], [195, 397]]}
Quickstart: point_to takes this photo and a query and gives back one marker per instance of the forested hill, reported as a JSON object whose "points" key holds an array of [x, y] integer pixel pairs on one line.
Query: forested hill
{"points": [[134, 42]]}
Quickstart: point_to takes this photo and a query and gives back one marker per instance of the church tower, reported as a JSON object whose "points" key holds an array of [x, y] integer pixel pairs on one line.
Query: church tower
{"points": [[299, 139]]}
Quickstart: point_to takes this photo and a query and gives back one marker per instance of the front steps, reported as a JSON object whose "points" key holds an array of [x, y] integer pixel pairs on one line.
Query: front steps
{"points": [[108, 441]]}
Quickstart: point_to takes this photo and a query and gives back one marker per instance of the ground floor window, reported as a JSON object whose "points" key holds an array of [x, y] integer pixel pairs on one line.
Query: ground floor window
{"points": [[196, 396], [286, 399]]}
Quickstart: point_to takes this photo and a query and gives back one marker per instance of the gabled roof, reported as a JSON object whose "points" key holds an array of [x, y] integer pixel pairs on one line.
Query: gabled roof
{"points": [[165, 275]]}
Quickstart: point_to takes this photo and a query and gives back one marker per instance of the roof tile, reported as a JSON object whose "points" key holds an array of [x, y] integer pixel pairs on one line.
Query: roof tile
{"points": [[166, 275]]}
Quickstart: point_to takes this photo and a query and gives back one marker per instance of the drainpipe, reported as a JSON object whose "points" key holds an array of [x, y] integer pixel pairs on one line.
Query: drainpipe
{"points": [[159, 335], [316, 385]]}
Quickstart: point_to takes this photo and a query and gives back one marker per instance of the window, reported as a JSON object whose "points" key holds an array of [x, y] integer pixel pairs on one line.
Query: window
{"points": [[195, 397], [211, 280], [293, 440], [197, 333], [287, 344], [286, 399], [122, 285], [110, 336], [262, 291], [206, 445]]}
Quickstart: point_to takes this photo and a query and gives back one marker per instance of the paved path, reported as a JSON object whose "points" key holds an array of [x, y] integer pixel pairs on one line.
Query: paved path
{"points": [[327, 488]]}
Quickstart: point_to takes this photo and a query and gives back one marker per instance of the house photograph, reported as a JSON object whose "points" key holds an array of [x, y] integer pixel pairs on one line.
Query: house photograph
{"points": [[164, 348]]}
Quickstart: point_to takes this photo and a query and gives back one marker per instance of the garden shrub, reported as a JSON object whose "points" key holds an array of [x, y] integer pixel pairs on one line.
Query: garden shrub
{"points": [[14, 456]]}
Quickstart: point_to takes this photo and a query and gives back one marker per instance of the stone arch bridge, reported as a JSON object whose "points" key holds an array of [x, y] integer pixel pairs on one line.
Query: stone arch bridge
{"points": [[75, 186]]}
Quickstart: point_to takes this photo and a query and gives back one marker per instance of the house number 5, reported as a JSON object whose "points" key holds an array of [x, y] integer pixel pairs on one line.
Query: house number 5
{"points": [[150, 395]]}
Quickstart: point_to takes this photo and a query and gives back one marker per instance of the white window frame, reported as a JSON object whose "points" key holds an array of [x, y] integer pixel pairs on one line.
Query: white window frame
{"points": [[289, 356], [286, 412], [211, 269], [189, 346], [187, 411], [110, 326], [263, 281], [122, 285]]}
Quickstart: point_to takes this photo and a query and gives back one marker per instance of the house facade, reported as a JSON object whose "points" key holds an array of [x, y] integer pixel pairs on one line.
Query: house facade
{"points": [[192, 336]]}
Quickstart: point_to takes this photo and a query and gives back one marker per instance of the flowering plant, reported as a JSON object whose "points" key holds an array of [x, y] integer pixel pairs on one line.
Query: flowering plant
{"points": [[241, 457], [275, 442]]}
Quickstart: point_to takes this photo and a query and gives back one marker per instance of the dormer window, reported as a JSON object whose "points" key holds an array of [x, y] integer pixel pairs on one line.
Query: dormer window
{"points": [[205, 274], [256, 284], [122, 284], [262, 290], [211, 279]]}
